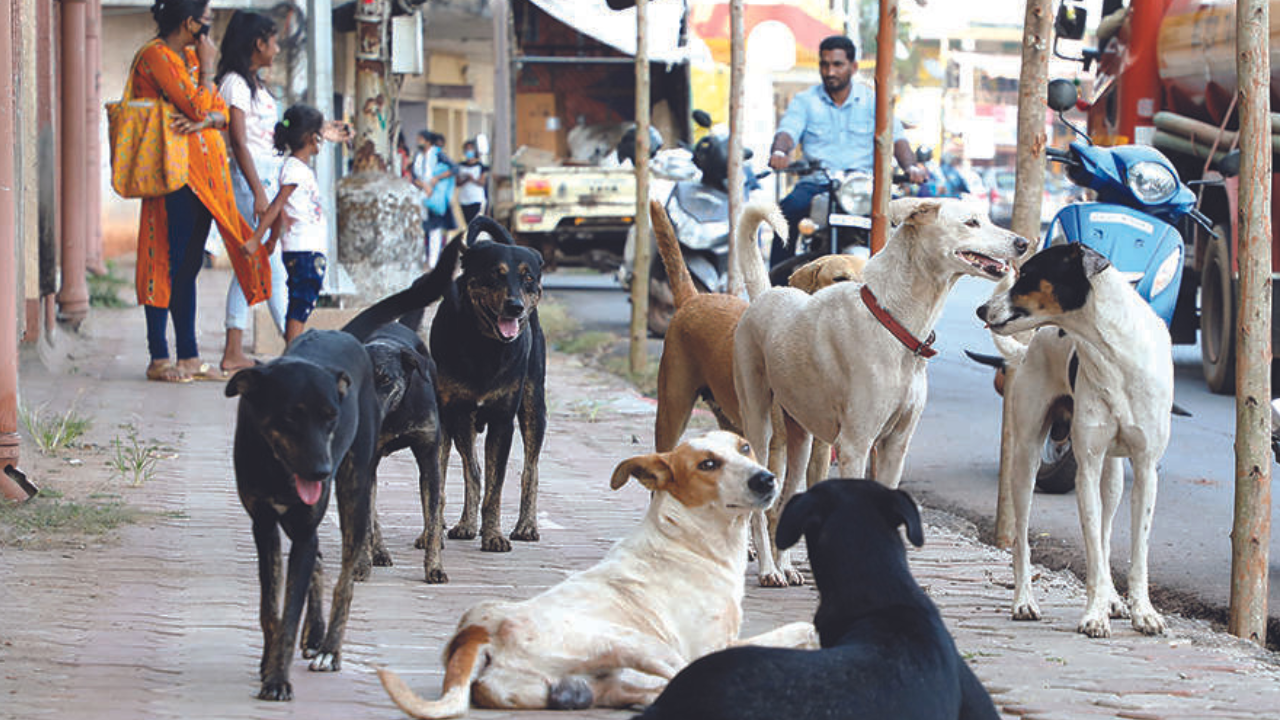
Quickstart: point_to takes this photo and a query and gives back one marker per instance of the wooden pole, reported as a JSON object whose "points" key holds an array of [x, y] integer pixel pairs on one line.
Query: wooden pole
{"points": [[1032, 88], [886, 38], [640, 274], [737, 66], [373, 141], [1251, 533]]}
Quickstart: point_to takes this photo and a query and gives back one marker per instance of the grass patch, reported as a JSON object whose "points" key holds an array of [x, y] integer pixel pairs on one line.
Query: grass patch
{"points": [[47, 515], [646, 381], [104, 289], [557, 325], [587, 343], [132, 458], [52, 432]]}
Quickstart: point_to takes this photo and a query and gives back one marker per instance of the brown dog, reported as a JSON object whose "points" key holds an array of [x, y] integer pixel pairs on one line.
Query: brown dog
{"points": [[697, 354]]}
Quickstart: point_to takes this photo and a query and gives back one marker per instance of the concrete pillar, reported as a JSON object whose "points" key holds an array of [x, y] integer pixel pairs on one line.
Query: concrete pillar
{"points": [[93, 133], [9, 440], [73, 297]]}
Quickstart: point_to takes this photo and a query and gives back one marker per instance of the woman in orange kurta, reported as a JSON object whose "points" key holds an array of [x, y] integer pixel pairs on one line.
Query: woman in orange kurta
{"points": [[178, 66]]}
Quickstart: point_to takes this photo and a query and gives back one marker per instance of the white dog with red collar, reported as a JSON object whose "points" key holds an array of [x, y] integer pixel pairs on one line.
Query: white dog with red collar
{"points": [[847, 364]]}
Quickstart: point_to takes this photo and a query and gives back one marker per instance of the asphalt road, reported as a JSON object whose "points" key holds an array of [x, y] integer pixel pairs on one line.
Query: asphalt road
{"points": [[954, 458]]}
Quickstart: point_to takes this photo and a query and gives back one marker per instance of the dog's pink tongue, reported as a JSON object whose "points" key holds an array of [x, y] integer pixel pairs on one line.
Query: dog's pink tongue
{"points": [[509, 327], [308, 490]]}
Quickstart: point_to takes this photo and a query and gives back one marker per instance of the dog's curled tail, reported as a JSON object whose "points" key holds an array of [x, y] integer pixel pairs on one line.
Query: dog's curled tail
{"points": [[485, 224], [425, 290], [463, 662], [754, 274], [682, 287]]}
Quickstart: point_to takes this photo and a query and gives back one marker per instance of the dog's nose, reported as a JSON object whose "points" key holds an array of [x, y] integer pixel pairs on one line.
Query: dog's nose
{"points": [[982, 312], [1021, 244], [762, 483], [513, 307]]}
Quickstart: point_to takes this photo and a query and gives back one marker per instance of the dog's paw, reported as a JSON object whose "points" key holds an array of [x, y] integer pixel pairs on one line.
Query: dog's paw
{"points": [[326, 662], [1146, 620], [420, 542], [436, 576], [773, 579], [1027, 610], [495, 543], [1117, 608], [571, 693], [277, 690], [1094, 626], [381, 558], [362, 571], [794, 577], [462, 532], [525, 533]]}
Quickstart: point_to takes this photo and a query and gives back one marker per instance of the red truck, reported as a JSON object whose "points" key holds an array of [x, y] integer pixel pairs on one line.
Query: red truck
{"points": [[1166, 76]]}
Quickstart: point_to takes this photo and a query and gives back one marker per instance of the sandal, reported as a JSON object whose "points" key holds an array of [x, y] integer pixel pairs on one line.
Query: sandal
{"points": [[168, 372], [209, 372]]}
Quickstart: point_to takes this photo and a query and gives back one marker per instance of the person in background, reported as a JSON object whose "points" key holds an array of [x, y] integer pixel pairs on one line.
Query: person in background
{"points": [[472, 176], [835, 123], [249, 47], [178, 66], [295, 217], [403, 157], [433, 174]]}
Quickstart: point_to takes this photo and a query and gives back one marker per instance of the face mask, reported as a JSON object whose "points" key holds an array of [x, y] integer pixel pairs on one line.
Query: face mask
{"points": [[422, 148], [470, 154]]}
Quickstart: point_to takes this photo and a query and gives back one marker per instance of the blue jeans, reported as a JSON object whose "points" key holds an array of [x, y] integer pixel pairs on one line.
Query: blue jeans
{"points": [[306, 278], [189, 222], [278, 303], [795, 207]]}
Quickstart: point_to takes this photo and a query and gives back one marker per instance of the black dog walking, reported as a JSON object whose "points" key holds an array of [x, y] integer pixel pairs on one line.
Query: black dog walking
{"points": [[307, 428], [885, 650], [491, 359]]}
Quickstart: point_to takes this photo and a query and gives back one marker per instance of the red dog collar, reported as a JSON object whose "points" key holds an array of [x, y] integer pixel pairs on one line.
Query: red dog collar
{"points": [[923, 349]]}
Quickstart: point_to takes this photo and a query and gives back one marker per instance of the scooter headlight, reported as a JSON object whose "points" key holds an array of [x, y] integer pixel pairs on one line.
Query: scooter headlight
{"points": [[855, 194], [1151, 182], [693, 234], [1166, 272]]}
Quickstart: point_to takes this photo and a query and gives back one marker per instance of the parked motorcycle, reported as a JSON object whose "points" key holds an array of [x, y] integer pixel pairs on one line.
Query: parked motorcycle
{"points": [[698, 207], [1139, 202]]}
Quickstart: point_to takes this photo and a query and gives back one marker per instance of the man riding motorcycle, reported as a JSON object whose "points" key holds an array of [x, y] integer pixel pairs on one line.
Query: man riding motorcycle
{"points": [[835, 123]]}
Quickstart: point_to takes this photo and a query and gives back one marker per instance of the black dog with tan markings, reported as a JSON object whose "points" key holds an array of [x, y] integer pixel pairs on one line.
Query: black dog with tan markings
{"points": [[307, 428], [885, 650], [491, 358]]}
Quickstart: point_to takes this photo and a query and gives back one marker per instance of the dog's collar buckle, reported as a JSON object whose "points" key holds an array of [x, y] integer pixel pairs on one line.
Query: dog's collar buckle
{"points": [[904, 336]]}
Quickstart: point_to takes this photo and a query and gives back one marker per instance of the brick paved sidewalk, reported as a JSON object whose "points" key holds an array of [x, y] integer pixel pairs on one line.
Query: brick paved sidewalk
{"points": [[161, 621]]}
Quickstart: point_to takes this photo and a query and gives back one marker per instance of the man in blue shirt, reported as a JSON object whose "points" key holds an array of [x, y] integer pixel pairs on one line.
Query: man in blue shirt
{"points": [[835, 123]]}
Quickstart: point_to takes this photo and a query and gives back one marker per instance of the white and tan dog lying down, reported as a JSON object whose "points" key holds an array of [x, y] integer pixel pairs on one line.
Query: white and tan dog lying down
{"points": [[614, 634], [847, 364]]}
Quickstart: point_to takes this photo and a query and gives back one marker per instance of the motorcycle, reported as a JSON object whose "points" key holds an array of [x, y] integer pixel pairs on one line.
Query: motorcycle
{"points": [[1132, 221], [698, 207], [839, 219]]}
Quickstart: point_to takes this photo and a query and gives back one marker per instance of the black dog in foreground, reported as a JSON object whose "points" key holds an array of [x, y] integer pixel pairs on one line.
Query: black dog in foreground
{"points": [[491, 359], [405, 377], [307, 428], [885, 650]]}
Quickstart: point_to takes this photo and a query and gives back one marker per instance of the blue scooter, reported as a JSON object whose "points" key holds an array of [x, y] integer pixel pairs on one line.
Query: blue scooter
{"points": [[1132, 221]]}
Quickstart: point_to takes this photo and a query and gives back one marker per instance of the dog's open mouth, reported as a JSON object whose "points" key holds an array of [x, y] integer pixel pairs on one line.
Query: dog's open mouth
{"points": [[309, 491], [509, 327], [989, 265]]}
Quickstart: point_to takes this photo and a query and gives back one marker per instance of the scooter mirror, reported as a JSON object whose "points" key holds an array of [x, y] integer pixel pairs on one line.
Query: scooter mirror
{"points": [[1070, 21], [1062, 95], [1229, 165], [702, 118]]}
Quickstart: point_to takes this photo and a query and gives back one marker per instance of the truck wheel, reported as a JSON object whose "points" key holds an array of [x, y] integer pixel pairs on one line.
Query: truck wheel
{"points": [[1218, 316]]}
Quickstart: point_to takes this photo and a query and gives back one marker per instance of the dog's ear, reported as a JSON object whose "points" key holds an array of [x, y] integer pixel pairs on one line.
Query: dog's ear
{"points": [[1093, 261], [904, 508], [243, 382], [805, 277], [409, 361], [913, 212], [803, 512], [653, 471], [344, 383]]}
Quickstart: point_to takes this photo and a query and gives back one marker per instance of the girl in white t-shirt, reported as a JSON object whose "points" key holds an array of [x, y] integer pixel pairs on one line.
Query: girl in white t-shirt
{"points": [[249, 47], [296, 216]]}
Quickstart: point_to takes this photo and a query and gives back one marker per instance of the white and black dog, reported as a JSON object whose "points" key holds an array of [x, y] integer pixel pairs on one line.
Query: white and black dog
{"points": [[1114, 362]]}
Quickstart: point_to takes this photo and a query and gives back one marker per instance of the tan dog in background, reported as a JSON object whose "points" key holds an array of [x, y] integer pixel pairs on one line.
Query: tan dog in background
{"points": [[614, 634]]}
